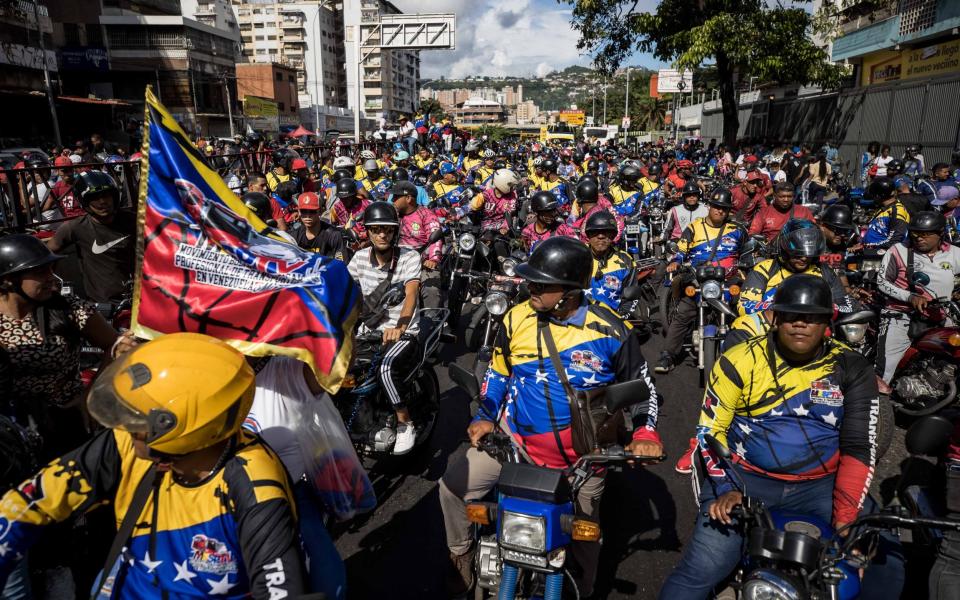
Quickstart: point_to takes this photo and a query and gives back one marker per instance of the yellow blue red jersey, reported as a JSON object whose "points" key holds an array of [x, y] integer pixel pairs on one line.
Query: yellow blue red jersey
{"points": [[794, 423], [701, 243], [766, 276], [887, 227], [560, 189], [624, 201], [596, 349], [610, 276]]}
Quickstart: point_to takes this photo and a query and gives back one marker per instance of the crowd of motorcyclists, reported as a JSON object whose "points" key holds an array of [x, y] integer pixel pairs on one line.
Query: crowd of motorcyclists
{"points": [[804, 300]]}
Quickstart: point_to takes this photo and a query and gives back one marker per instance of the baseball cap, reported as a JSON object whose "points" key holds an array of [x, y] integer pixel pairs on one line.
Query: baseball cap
{"points": [[297, 164], [945, 194], [76, 159], [750, 158], [684, 164], [62, 161], [753, 175], [404, 188], [308, 201]]}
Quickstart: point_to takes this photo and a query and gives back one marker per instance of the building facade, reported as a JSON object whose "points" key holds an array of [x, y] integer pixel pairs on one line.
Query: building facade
{"points": [[271, 81], [477, 111]]}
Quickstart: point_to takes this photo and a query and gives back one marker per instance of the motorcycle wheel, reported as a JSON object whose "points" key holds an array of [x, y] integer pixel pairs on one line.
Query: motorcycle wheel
{"points": [[710, 348], [665, 300], [474, 330], [885, 427]]}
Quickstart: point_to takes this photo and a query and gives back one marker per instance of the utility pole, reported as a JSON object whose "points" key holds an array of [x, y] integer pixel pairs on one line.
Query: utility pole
{"points": [[226, 91], [46, 76], [604, 101], [626, 108], [359, 81]]}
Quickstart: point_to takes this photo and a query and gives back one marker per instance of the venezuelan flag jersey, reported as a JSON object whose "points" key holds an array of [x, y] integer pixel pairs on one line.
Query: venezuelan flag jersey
{"points": [[470, 164], [448, 192], [699, 244], [766, 276], [888, 227], [745, 327], [233, 535], [596, 349], [377, 190], [560, 190], [794, 423], [624, 201], [423, 163], [482, 176], [610, 276]]}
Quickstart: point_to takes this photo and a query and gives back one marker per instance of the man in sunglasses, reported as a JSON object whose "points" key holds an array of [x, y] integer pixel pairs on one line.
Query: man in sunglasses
{"points": [[926, 253], [316, 234], [840, 235], [798, 410]]}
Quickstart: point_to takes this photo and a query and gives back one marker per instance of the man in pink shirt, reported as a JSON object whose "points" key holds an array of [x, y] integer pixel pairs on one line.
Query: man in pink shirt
{"points": [[547, 223], [347, 209], [417, 223], [770, 219], [497, 202], [588, 202]]}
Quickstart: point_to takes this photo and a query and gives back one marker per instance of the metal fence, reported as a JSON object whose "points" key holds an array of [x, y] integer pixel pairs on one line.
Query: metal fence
{"points": [[898, 114]]}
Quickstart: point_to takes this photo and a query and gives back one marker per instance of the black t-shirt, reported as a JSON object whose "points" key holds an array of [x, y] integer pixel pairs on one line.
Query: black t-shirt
{"points": [[329, 241], [106, 253]]}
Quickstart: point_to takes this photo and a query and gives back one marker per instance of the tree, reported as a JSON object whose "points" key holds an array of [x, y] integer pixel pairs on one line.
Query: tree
{"points": [[429, 106], [744, 38]]}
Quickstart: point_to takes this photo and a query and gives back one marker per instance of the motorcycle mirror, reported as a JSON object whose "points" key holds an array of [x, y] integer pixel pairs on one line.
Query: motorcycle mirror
{"points": [[929, 435], [464, 379], [860, 316], [673, 247], [717, 447], [631, 292], [621, 395], [436, 236], [920, 278]]}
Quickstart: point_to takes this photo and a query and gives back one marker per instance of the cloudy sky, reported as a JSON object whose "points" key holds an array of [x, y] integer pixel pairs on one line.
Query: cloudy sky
{"points": [[507, 37]]}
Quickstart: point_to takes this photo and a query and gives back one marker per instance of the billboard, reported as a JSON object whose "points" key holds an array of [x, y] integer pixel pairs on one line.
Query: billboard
{"points": [[573, 118], [674, 81], [262, 114]]}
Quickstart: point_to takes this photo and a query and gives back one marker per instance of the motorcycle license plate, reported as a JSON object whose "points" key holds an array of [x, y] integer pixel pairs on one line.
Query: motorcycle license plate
{"points": [[633, 228]]}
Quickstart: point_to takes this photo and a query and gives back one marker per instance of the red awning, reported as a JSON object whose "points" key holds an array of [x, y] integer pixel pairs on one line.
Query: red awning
{"points": [[300, 131], [93, 100]]}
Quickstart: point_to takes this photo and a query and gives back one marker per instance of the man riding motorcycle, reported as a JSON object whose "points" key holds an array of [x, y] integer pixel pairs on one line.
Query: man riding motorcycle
{"points": [[712, 240], [889, 224], [748, 197], [375, 268], [770, 219], [836, 224], [624, 192], [202, 506], [927, 253], [798, 411], [547, 223], [594, 348], [613, 269], [685, 213], [588, 203], [554, 184], [375, 183], [347, 210], [498, 202]]}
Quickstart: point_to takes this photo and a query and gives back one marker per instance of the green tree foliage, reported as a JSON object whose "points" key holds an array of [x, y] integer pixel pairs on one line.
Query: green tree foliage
{"points": [[431, 107], [743, 38]]}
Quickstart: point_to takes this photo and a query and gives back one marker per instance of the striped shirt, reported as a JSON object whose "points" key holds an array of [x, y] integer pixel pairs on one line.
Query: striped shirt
{"points": [[368, 275]]}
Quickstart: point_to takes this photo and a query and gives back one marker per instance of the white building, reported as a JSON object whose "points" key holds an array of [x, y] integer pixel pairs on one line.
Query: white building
{"points": [[218, 14]]}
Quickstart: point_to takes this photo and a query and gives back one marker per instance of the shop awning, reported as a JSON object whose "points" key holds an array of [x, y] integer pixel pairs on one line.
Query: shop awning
{"points": [[101, 101]]}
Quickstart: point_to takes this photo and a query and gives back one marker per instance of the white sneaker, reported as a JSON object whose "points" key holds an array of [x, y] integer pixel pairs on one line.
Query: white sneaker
{"points": [[406, 437]]}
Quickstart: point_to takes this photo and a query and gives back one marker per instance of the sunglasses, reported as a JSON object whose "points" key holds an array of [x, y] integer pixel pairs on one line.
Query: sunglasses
{"points": [[380, 229]]}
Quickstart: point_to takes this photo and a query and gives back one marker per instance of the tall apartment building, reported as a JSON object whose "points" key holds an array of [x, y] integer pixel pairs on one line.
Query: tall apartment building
{"points": [[218, 14], [390, 78]]}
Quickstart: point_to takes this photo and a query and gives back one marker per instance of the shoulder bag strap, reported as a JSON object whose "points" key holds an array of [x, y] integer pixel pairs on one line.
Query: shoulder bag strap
{"points": [[716, 241], [544, 327], [151, 479]]}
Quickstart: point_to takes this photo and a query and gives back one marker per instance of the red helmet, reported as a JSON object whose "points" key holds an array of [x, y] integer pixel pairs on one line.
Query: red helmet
{"points": [[297, 164], [62, 161]]}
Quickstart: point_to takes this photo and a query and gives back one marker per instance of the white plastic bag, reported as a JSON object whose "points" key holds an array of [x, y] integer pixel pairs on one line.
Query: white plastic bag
{"points": [[308, 434]]}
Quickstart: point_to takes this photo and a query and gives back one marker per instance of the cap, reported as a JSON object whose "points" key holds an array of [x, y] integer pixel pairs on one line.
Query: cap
{"points": [[754, 176], [308, 201], [945, 194], [404, 188], [297, 164], [750, 158], [62, 161], [684, 164]]}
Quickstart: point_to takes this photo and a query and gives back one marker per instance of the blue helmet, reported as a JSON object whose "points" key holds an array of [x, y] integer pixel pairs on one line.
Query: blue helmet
{"points": [[447, 167], [801, 238]]}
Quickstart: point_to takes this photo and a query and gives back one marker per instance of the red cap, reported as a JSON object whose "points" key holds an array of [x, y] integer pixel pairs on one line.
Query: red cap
{"points": [[684, 164], [309, 201], [750, 158], [298, 163], [754, 176], [62, 161], [20, 165]]}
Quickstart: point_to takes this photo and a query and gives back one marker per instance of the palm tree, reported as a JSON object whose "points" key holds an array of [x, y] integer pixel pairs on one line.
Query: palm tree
{"points": [[652, 113]]}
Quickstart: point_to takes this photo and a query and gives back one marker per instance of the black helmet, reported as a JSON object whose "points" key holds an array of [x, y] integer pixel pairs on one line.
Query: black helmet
{"points": [[559, 261], [895, 166], [602, 220], [549, 165], [260, 204], [721, 198], [543, 202], [346, 188], [837, 216], [800, 238], [342, 174], [254, 138], [578, 157], [928, 220], [629, 174], [399, 174], [804, 294], [421, 177], [593, 164], [281, 158], [94, 183], [21, 252], [881, 188], [691, 188], [286, 190], [587, 190], [654, 170], [592, 178], [381, 213]]}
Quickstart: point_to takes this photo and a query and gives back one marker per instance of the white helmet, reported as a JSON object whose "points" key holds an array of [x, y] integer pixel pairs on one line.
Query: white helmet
{"points": [[368, 155], [371, 164], [473, 145], [488, 153], [538, 161], [504, 180], [342, 162]]}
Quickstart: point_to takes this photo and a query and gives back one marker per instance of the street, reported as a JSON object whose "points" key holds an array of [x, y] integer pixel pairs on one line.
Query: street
{"points": [[398, 551]]}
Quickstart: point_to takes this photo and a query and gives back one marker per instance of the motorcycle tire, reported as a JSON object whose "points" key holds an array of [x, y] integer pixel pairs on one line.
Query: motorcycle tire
{"points": [[666, 302], [710, 349], [427, 393], [885, 426], [474, 330]]}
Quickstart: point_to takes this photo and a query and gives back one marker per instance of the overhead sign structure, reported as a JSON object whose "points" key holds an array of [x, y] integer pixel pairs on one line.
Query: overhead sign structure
{"points": [[672, 81], [574, 118], [262, 114]]}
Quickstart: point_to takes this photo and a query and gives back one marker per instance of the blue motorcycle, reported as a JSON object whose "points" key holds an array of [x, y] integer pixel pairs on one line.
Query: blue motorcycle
{"points": [[525, 535]]}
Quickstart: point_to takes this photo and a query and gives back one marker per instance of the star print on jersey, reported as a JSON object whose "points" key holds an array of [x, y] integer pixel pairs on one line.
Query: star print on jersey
{"points": [[183, 572], [151, 565], [830, 418], [541, 376], [800, 411], [222, 587]]}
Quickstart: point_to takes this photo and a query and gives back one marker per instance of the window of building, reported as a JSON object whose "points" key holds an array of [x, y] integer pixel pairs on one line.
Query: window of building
{"points": [[291, 78], [94, 35], [258, 25], [257, 11], [279, 76], [261, 51], [259, 38], [71, 34], [273, 50]]}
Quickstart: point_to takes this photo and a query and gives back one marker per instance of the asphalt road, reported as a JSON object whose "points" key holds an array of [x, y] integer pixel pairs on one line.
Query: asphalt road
{"points": [[399, 551]]}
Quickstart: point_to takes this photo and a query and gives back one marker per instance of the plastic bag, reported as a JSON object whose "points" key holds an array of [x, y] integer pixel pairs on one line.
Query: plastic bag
{"points": [[310, 438]]}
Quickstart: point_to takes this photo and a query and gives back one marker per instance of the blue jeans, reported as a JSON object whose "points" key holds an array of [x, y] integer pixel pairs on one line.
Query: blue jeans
{"points": [[716, 549], [18, 583], [327, 572]]}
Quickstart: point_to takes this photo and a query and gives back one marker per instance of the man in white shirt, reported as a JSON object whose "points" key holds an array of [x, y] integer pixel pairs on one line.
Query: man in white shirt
{"points": [[408, 135]]}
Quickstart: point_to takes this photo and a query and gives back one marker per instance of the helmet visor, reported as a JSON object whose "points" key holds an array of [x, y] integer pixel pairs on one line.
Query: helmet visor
{"points": [[108, 407]]}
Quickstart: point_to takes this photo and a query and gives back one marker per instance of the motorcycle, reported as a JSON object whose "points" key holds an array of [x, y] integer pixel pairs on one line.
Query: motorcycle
{"points": [[792, 554], [501, 293], [525, 535], [366, 409], [638, 297]]}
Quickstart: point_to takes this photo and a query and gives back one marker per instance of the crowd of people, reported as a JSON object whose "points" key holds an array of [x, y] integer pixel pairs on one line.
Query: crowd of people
{"points": [[160, 433]]}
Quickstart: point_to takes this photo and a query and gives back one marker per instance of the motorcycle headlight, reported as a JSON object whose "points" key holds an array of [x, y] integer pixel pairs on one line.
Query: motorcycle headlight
{"points": [[854, 332], [711, 290], [767, 585], [496, 303], [467, 242], [523, 532], [509, 267]]}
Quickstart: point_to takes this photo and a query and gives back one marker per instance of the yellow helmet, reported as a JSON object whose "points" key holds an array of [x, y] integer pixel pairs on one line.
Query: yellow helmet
{"points": [[185, 391]]}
